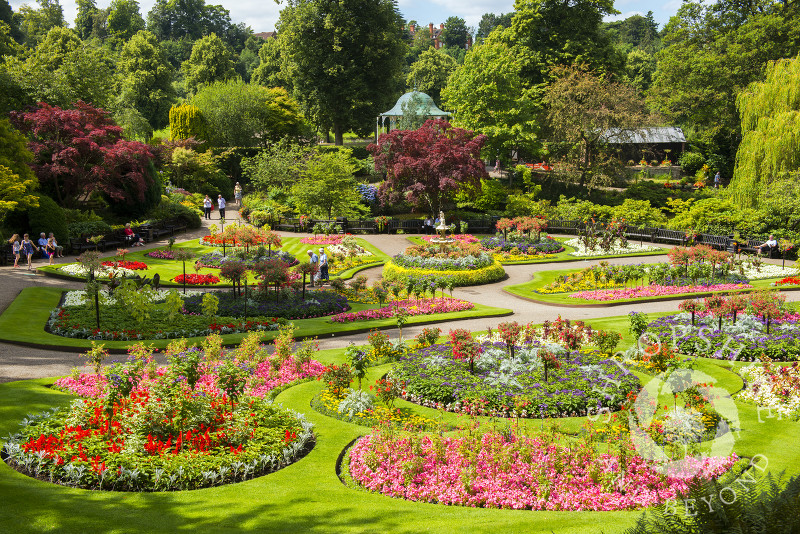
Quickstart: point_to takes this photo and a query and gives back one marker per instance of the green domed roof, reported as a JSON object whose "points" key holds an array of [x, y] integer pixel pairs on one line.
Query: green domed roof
{"points": [[425, 106]]}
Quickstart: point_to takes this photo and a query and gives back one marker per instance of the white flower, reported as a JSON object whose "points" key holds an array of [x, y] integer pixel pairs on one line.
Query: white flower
{"points": [[76, 269], [76, 298], [632, 248], [344, 251]]}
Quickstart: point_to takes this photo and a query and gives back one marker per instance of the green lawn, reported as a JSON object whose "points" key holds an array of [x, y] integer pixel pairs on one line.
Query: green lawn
{"points": [[561, 257], [169, 269], [308, 496], [527, 290], [24, 321]]}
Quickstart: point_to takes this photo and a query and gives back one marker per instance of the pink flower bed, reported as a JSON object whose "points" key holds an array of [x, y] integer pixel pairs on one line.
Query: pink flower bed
{"points": [[523, 473], [462, 238], [413, 307], [653, 291], [323, 240], [93, 386]]}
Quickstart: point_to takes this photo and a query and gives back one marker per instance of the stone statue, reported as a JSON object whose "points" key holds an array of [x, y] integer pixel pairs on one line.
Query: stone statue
{"points": [[441, 221]]}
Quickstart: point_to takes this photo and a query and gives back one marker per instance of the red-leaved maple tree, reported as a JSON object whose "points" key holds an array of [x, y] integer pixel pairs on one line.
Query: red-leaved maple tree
{"points": [[428, 165], [79, 151]]}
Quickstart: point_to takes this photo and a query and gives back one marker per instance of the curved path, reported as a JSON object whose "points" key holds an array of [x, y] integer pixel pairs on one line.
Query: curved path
{"points": [[22, 363]]}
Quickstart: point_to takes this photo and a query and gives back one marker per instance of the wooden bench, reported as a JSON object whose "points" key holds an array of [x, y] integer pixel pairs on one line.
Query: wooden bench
{"points": [[719, 242], [288, 225], [752, 246], [410, 226], [560, 226], [675, 237], [359, 225], [641, 233], [7, 254], [480, 226], [175, 225]]}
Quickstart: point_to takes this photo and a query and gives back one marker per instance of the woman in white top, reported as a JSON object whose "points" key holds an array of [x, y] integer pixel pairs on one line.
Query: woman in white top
{"points": [[207, 205]]}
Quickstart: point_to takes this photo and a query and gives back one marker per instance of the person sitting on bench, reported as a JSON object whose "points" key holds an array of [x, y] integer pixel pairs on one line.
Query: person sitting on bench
{"points": [[770, 243]]}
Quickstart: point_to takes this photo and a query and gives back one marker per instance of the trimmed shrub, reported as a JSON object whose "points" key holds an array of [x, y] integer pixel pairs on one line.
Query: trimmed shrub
{"points": [[48, 217], [77, 229], [171, 210], [486, 275], [691, 162]]}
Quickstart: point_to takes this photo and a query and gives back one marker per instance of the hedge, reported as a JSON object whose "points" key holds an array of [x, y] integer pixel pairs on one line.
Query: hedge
{"points": [[486, 275]]}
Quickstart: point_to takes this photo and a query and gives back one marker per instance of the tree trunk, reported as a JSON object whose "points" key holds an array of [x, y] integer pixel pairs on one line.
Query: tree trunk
{"points": [[338, 135]]}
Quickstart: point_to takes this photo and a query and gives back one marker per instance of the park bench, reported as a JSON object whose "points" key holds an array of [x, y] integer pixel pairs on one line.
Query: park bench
{"points": [[175, 225], [480, 226], [410, 226], [560, 226], [675, 237], [359, 225], [7, 255], [718, 242], [288, 225], [752, 247], [641, 233]]}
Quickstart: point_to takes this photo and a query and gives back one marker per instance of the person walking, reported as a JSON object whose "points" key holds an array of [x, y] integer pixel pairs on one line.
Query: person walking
{"points": [[207, 205], [28, 248], [323, 266], [314, 261], [237, 194], [221, 206], [15, 248], [717, 180]]}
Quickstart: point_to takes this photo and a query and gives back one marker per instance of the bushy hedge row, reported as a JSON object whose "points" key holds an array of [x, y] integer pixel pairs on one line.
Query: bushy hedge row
{"points": [[485, 275]]}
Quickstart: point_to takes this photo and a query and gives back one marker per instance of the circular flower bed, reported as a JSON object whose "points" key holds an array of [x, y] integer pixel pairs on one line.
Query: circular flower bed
{"points": [[538, 380], [248, 259], [495, 470], [523, 245], [290, 305]]}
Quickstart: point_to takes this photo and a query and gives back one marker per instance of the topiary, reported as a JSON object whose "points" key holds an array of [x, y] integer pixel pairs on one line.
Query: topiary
{"points": [[48, 217]]}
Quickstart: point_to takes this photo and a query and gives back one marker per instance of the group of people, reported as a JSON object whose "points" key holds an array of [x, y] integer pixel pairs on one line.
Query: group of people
{"points": [[320, 265], [48, 246], [208, 204]]}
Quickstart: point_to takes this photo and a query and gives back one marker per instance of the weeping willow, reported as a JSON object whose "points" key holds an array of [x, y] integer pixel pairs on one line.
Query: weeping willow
{"points": [[770, 147]]}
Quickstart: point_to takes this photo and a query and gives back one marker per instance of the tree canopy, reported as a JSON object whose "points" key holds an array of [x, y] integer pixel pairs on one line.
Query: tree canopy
{"points": [[430, 72], [210, 62], [429, 165], [327, 186]]}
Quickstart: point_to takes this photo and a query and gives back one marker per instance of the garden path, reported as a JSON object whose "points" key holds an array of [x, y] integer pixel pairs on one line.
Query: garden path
{"points": [[18, 363]]}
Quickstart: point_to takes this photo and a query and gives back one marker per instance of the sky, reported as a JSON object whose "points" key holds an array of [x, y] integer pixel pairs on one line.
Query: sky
{"points": [[261, 15]]}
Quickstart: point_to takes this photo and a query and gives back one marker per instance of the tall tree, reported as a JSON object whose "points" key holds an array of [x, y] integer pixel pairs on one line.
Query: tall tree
{"points": [[429, 165], [211, 61], [78, 151], [124, 19], [770, 148], [584, 110], [343, 60], [7, 16], [430, 72], [35, 23], [84, 21], [490, 21], [487, 95], [268, 72], [146, 83], [455, 33]]}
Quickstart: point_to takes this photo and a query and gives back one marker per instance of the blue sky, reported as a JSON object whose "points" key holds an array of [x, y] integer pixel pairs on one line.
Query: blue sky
{"points": [[261, 15]]}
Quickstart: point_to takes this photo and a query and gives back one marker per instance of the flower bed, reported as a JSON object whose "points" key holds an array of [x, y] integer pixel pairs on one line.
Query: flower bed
{"points": [[776, 387], [131, 265], [413, 307], [654, 290], [788, 281], [505, 386], [216, 240], [78, 297], [745, 340], [616, 250], [495, 471], [335, 239], [290, 305], [161, 254], [524, 245], [145, 429], [338, 266], [76, 269], [485, 275], [356, 250], [196, 279], [215, 259], [328, 403], [462, 238]]}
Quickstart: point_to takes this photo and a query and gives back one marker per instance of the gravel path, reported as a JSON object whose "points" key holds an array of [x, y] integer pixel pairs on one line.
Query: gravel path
{"points": [[18, 363]]}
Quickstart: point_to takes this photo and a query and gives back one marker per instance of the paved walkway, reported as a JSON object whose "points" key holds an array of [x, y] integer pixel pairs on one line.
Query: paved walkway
{"points": [[22, 363]]}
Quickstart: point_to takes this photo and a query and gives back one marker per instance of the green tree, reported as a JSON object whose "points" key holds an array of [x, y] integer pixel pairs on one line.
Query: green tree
{"points": [[343, 60], [146, 83], [241, 114], [455, 33], [488, 96], [124, 19], [639, 67], [17, 181], [327, 185], [430, 71], [416, 110], [275, 167], [84, 21], [583, 110], [8, 46], [490, 21], [36, 23], [268, 72], [211, 61], [770, 148]]}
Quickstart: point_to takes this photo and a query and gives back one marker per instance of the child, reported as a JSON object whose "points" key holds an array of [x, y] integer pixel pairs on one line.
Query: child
{"points": [[15, 246], [27, 249], [50, 248]]}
